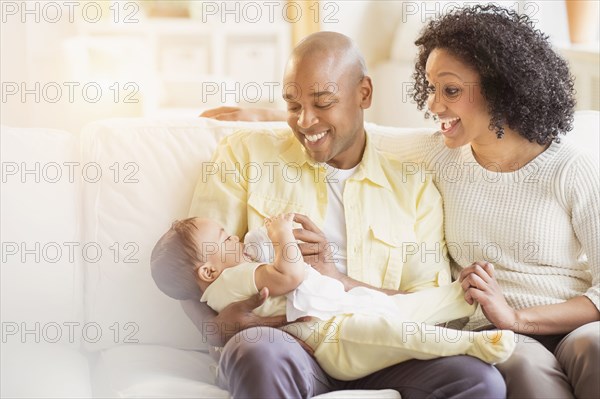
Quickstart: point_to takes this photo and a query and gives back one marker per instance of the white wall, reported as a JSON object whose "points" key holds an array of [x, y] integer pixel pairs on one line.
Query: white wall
{"points": [[32, 55], [13, 68], [372, 23], [385, 31]]}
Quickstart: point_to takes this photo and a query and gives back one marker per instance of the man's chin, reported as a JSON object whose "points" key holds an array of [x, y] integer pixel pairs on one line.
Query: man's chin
{"points": [[319, 158]]}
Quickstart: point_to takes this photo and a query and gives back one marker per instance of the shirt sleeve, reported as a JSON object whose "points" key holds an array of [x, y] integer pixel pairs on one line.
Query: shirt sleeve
{"points": [[428, 263], [221, 192]]}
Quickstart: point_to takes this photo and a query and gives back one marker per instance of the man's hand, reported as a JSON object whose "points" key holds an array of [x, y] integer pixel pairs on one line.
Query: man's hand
{"points": [[239, 315], [318, 253], [315, 248], [244, 114], [218, 329], [479, 283]]}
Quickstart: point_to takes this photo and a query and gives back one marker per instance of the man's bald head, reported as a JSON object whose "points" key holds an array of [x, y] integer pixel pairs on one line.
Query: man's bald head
{"points": [[330, 48]]}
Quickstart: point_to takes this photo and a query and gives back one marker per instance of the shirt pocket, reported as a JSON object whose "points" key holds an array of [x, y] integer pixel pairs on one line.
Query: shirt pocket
{"points": [[390, 245], [261, 206]]}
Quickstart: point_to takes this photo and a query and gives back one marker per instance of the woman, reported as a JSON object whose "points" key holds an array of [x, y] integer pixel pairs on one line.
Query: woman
{"points": [[515, 194]]}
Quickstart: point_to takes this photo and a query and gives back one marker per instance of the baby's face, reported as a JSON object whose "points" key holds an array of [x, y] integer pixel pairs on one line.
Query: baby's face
{"points": [[220, 249]]}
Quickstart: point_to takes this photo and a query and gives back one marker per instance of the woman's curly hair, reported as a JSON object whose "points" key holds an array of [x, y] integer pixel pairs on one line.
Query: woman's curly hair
{"points": [[527, 86]]}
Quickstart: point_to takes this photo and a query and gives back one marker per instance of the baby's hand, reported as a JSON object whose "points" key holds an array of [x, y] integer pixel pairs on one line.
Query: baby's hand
{"points": [[279, 225]]}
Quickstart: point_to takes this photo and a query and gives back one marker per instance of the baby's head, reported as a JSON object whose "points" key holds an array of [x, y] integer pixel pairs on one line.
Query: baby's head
{"points": [[191, 255]]}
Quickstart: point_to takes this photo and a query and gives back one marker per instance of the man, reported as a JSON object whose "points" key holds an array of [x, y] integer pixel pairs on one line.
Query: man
{"points": [[328, 170]]}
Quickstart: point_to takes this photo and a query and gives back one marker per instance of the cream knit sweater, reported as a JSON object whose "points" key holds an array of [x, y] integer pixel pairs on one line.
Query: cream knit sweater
{"points": [[539, 225]]}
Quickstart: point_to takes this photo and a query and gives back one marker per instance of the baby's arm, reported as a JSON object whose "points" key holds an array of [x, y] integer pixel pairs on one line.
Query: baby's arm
{"points": [[287, 270]]}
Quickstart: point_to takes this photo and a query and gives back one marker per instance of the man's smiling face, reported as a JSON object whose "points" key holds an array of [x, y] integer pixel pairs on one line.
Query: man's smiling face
{"points": [[325, 101]]}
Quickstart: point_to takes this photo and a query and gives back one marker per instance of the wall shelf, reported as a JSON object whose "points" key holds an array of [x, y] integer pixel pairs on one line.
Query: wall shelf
{"points": [[185, 60]]}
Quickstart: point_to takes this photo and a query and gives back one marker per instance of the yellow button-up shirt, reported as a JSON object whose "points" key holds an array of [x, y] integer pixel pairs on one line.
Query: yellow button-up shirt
{"points": [[394, 221]]}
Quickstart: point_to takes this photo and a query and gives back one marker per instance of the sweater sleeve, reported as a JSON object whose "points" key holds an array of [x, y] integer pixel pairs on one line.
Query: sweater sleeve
{"points": [[585, 214]]}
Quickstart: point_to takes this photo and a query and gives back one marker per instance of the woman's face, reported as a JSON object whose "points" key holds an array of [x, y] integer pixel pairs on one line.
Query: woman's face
{"points": [[455, 97]]}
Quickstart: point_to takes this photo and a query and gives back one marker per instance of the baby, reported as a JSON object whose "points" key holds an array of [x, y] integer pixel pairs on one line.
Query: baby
{"points": [[353, 333]]}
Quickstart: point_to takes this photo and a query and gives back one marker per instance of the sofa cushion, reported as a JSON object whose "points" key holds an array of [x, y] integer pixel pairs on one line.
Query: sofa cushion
{"points": [[149, 171], [150, 371], [44, 371], [41, 281]]}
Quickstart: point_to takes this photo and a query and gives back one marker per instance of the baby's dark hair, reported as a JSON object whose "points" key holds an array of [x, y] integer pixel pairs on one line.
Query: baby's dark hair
{"points": [[527, 86], [175, 261]]}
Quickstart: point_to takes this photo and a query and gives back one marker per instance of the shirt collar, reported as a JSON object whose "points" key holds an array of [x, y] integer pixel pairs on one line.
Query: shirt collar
{"points": [[296, 153], [369, 167]]}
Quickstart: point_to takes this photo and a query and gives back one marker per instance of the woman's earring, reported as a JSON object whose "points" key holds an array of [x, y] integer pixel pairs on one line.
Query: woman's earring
{"points": [[500, 133]]}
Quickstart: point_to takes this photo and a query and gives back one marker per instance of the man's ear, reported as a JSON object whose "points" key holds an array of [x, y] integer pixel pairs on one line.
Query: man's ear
{"points": [[366, 92], [208, 273]]}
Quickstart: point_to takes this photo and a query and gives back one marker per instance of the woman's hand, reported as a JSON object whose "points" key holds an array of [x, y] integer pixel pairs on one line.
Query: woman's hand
{"points": [[315, 248], [480, 285], [244, 114]]}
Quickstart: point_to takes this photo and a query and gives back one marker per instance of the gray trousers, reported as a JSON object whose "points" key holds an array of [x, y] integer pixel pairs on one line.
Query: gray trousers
{"points": [[555, 366], [263, 362]]}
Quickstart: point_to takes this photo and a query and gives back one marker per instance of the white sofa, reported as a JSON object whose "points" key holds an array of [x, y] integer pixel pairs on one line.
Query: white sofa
{"points": [[81, 316]]}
